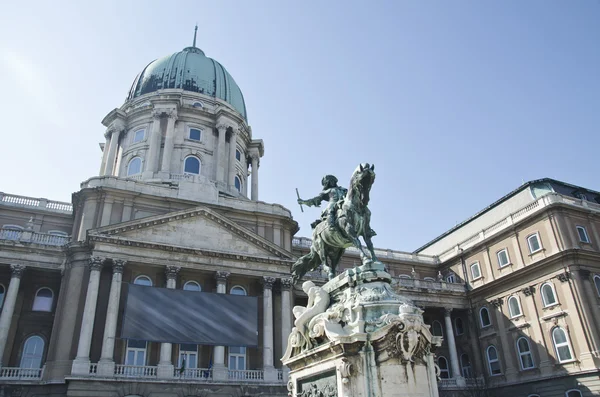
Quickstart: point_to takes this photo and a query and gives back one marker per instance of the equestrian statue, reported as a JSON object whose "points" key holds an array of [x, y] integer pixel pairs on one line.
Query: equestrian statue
{"points": [[343, 221]]}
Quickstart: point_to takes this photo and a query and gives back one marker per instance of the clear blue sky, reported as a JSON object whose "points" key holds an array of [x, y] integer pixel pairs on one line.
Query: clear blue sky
{"points": [[456, 102]]}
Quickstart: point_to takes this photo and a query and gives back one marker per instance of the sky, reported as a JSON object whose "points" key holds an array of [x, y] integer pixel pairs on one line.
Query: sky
{"points": [[456, 103]]}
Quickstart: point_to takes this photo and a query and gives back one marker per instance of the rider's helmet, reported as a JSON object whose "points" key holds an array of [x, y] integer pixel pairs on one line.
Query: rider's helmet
{"points": [[329, 181]]}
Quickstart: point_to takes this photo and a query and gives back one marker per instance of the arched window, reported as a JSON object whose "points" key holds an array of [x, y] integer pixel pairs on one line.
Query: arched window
{"points": [[573, 393], [238, 155], [597, 282], [484, 316], [514, 307], [198, 105], [548, 295], [33, 351], [134, 167], [459, 326], [562, 345], [238, 183], [192, 286], [195, 134], [43, 300], [191, 165], [534, 244], [143, 280], [475, 271], [437, 329], [583, 236], [465, 365], [525, 356], [237, 290], [444, 370], [493, 361], [2, 293]]}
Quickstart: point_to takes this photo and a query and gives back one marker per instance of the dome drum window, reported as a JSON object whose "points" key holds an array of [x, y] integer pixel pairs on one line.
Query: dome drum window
{"points": [[138, 136], [238, 184], [195, 134], [43, 300], [191, 165], [134, 167]]}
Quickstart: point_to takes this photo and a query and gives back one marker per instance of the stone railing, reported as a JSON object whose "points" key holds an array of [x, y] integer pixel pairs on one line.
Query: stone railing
{"points": [[137, 177], [443, 383], [405, 282], [135, 371], [193, 373], [503, 224], [93, 369], [15, 373], [26, 236], [382, 254], [31, 202], [181, 177], [248, 375]]}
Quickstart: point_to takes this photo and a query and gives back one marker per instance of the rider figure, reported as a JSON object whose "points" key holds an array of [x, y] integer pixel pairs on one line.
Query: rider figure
{"points": [[331, 193]]}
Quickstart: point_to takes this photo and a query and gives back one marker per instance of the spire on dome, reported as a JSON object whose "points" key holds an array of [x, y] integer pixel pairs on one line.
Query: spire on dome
{"points": [[195, 31]]}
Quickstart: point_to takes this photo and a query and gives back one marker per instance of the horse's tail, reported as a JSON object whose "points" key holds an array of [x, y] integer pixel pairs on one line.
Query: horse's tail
{"points": [[305, 264]]}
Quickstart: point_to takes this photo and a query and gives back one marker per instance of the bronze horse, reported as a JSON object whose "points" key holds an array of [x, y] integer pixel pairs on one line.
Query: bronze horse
{"points": [[353, 219]]}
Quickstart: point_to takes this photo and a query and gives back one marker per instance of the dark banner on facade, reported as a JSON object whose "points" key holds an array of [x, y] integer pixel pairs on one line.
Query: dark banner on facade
{"points": [[178, 316]]}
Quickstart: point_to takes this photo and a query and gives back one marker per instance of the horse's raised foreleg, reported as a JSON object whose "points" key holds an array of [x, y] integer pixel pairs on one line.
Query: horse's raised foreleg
{"points": [[369, 243]]}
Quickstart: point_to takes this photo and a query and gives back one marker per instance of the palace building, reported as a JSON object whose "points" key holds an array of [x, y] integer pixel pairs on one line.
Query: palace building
{"points": [[514, 290]]}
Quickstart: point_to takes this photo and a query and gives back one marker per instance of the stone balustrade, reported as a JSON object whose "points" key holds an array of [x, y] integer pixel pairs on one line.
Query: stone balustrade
{"points": [[20, 374], [25, 236], [142, 372], [31, 202]]}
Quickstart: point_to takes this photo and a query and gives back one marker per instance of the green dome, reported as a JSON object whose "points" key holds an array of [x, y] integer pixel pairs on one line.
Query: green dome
{"points": [[189, 70]]}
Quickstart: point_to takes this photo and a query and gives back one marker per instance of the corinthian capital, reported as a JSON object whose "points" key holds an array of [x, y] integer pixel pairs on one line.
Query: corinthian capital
{"points": [[286, 284], [222, 276], [223, 127], [172, 272], [96, 263], [118, 265], [268, 282], [17, 270], [157, 114]]}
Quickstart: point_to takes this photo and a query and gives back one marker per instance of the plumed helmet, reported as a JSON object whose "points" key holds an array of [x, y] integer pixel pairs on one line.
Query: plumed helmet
{"points": [[329, 180]]}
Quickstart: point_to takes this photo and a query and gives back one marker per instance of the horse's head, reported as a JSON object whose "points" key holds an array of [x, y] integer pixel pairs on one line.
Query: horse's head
{"points": [[362, 180]]}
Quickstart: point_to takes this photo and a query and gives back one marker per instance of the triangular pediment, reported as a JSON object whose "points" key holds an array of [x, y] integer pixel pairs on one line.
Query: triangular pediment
{"points": [[198, 228]]}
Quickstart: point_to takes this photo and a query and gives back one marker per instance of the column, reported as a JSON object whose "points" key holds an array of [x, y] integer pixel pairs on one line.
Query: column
{"points": [[165, 366], [286, 316], [155, 138], [106, 212], [127, 208], [270, 372], [460, 381], [112, 152], [105, 152], [537, 336], [255, 164], [232, 160], [9, 306], [106, 365], [81, 364], [219, 369], [169, 144], [220, 163]]}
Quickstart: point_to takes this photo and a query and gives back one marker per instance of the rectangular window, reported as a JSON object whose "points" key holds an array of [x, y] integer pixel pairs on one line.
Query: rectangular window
{"points": [[138, 136], [503, 258], [237, 358], [136, 353], [475, 271], [188, 356], [534, 244], [583, 236], [238, 155], [195, 134]]}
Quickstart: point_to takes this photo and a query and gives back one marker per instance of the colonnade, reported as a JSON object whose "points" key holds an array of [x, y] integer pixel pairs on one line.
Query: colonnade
{"points": [[106, 365]]}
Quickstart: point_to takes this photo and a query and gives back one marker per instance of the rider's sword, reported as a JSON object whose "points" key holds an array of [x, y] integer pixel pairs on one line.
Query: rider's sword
{"points": [[298, 194]]}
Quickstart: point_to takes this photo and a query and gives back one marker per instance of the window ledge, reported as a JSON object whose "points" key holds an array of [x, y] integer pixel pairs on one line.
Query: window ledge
{"points": [[537, 252], [555, 315], [572, 361], [193, 140], [509, 264], [552, 306], [478, 278]]}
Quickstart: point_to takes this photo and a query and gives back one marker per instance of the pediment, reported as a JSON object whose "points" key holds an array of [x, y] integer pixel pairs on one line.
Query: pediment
{"points": [[195, 229]]}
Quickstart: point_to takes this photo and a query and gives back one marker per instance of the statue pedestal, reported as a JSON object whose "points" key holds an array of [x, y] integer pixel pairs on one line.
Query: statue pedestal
{"points": [[370, 342]]}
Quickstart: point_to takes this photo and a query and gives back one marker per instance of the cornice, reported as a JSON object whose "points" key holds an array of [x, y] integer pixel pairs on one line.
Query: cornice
{"points": [[184, 250], [190, 213]]}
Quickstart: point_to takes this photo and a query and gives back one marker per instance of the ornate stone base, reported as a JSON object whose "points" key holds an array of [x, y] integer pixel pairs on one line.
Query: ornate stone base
{"points": [[370, 342]]}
